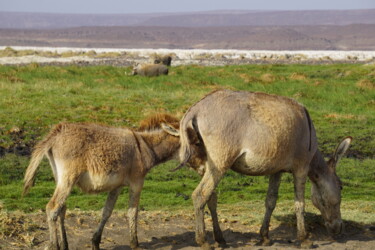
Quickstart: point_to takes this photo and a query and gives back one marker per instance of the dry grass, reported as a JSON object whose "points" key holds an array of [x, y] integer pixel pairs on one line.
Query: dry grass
{"points": [[298, 77], [267, 78], [317, 83], [366, 84], [108, 55], [248, 78], [10, 52], [18, 226], [338, 117]]}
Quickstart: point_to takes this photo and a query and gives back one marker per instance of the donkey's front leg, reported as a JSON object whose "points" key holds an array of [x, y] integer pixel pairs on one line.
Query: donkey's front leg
{"points": [[299, 204], [107, 211], [135, 189]]}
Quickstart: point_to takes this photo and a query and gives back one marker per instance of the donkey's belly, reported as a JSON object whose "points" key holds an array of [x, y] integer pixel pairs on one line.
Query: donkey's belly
{"points": [[95, 183], [249, 164]]}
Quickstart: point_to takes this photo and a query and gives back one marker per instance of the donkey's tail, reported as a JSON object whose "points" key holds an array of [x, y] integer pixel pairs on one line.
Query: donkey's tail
{"points": [[186, 128], [309, 123], [40, 150]]}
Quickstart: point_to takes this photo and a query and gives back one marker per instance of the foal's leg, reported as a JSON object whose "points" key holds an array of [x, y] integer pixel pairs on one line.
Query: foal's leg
{"points": [[107, 211], [212, 205], [64, 240], [135, 189], [55, 207], [272, 195], [62, 231], [200, 196]]}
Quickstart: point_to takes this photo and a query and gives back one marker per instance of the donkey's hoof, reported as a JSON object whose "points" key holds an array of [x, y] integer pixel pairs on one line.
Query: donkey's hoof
{"points": [[95, 246], [134, 245], [306, 244], [265, 242], [221, 244], [207, 246], [51, 246], [95, 243]]}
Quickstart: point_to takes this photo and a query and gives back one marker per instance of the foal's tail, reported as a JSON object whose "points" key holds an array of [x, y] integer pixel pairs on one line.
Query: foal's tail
{"points": [[40, 150]]}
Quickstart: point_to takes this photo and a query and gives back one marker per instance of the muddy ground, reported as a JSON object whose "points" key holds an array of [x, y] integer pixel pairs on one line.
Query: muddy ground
{"points": [[159, 230]]}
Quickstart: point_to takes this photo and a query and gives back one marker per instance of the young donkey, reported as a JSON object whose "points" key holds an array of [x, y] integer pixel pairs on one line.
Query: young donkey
{"points": [[258, 134], [98, 159]]}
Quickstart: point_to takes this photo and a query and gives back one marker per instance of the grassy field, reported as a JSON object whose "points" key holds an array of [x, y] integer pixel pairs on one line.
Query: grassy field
{"points": [[340, 98]]}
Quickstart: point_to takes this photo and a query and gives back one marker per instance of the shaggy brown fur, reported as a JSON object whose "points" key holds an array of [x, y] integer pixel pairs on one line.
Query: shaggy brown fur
{"points": [[98, 159], [153, 122]]}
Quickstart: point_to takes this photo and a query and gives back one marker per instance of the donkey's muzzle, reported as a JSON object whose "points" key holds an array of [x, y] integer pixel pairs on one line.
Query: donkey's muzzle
{"points": [[335, 228]]}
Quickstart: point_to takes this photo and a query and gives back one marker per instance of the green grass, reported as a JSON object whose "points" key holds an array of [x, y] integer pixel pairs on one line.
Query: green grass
{"points": [[340, 98]]}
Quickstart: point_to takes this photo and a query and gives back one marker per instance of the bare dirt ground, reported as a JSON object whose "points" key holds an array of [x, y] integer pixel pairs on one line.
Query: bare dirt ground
{"points": [[161, 230]]}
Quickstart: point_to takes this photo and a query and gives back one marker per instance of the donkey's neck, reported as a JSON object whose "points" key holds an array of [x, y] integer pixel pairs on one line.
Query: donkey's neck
{"points": [[162, 145], [318, 166]]}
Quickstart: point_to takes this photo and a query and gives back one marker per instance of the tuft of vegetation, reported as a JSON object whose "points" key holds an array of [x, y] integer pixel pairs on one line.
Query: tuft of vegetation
{"points": [[10, 52], [340, 99]]}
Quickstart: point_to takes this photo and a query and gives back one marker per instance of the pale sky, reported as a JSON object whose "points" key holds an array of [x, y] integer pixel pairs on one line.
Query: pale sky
{"points": [[152, 6]]}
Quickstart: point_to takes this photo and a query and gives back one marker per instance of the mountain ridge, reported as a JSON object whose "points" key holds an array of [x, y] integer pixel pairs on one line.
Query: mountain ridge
{"points": [[320, 37], [219, 18]]}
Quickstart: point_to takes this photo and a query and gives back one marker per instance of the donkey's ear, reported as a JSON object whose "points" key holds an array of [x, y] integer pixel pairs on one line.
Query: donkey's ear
{"points": [[170, 130], [342, 148]]}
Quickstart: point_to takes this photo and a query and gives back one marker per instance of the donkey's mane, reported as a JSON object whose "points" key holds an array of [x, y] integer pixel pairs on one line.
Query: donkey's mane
{"points": [[154, 122]]}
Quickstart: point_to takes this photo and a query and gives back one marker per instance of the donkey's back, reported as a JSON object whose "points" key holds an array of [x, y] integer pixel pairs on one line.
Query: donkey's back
{"points": [[255, 133]]}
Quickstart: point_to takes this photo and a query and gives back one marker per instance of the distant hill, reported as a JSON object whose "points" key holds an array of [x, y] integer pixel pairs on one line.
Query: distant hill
{"points": [[319, 37], [268, 18], [19, 20], [226, 29]]}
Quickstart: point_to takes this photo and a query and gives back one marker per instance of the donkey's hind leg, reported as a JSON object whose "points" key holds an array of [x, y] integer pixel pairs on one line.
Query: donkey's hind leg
{"points": [[272, 195], [64, 240], [107, 211], [212, 206], [201, 195], [56, 208]]}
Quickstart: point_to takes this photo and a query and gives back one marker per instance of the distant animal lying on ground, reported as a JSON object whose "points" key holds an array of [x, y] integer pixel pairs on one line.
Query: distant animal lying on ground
{"points": [[166, 60], [150, 70], [259, 134], [101, 159]]}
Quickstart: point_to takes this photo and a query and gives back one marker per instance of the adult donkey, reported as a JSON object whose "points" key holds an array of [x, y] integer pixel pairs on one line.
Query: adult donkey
{"points": [[99, 159], [258, 134]]}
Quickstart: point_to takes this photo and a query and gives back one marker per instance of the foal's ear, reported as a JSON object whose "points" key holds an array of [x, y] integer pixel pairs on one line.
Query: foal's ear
{"points": [[170, 130], [342, 148]]}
